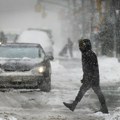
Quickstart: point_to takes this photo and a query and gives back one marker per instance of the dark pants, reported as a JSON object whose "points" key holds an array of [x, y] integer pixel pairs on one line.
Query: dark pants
{"points": [[96, 89]]}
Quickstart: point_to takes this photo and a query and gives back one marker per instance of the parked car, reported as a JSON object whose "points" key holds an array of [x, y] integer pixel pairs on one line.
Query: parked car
{"points": [[24, 65], [37, 36]]}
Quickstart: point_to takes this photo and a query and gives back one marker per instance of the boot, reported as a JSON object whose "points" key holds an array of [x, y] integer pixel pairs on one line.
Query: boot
{"points": [[71, 106], [104, 109]]}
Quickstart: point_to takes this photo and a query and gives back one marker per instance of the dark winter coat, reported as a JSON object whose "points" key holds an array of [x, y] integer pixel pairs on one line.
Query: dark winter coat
{"points": [[89, 63]]}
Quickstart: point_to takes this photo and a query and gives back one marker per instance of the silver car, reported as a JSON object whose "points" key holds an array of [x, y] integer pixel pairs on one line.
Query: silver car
{"points": [[24, 65]]}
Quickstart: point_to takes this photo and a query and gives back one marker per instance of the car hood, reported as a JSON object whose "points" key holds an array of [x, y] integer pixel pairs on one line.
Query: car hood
{"points": [[19, 64]]}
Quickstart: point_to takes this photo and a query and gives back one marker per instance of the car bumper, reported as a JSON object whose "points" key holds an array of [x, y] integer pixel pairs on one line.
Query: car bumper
{"points": [[20, 81]]}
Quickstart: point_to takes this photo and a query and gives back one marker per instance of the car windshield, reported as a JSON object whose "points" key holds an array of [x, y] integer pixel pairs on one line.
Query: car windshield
{"points": [[21, 52]]}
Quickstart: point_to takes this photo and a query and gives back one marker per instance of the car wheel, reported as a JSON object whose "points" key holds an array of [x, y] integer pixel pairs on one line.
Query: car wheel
{"points": [[45, 86]]}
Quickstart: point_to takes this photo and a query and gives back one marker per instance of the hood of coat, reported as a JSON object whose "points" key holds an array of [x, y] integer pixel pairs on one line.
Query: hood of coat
{"points": [[85, 45]]}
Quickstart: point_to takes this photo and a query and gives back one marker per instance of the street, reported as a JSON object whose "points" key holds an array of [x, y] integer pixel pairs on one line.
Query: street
{"points": [[40, 37], [32, 104]]}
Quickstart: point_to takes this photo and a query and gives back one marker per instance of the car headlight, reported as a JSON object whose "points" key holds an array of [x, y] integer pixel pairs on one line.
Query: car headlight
{"points": [[41, 69]]}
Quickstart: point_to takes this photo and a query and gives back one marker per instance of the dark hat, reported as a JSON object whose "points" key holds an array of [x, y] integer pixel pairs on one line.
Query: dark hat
{"points": [[84, 45]]}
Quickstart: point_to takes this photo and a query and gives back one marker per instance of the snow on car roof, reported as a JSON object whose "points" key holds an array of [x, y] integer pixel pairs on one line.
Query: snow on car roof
{"points": [[35, 36]]}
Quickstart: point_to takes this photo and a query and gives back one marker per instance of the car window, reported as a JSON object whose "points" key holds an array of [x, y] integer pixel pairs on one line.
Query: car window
{"points": [[21, 52]]}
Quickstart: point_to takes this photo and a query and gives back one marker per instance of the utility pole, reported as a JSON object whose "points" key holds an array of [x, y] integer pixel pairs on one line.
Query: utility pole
{"points": [[118, 28], [116, 9], [114, 28], [83, 18], [92, 16]]}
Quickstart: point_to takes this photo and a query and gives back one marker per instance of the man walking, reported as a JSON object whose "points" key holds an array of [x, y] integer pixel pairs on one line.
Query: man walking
{"points": [[90, 76]]}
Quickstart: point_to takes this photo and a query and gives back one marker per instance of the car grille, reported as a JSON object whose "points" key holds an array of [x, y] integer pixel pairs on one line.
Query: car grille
{"points": [[12, 68]]}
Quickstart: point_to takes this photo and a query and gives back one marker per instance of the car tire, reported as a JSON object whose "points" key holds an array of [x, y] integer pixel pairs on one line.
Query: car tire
{"points": [[45, 86]]}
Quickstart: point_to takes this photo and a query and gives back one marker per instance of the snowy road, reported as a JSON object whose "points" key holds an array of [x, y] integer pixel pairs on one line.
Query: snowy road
{"points": [[37, 105]]}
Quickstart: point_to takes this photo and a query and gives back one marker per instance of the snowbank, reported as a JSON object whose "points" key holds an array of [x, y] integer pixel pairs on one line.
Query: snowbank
{"points": [[57, 67], [8, 118], [109, 70]]}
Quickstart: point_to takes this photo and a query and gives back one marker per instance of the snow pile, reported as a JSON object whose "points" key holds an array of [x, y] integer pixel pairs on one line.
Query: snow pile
{"points": [[109, 70], [8, 118], [11, 118], [56, 67], [115, 115]]}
